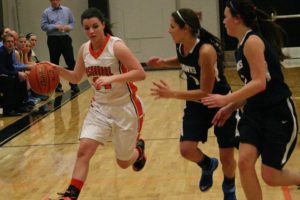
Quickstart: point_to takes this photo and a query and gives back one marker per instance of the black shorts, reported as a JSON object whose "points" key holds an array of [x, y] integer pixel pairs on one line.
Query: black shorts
{"points": [[273, 131], [196, 122]]}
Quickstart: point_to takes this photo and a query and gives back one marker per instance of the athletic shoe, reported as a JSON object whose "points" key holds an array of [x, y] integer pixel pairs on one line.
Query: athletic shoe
{"points": [[141, 160], [206, 180], [33, 101], [42, 97], [58, 198], [11, 113], [229, 192], [59, 88], [71, 193], [74, 88]]}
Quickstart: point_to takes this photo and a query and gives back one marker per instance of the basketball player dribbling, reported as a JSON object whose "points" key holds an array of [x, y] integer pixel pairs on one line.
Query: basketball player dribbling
{"points": [[115, 110]]}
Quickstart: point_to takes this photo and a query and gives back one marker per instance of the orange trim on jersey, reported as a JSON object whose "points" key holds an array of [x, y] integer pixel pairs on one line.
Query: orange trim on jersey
{"points": [[137, 103], [139, 109], [123, 68], [132, 87], [98, 52]]}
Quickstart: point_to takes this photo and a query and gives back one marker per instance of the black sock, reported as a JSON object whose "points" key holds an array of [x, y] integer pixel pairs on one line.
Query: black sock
{"points": [[229, 182], [205, 163]]}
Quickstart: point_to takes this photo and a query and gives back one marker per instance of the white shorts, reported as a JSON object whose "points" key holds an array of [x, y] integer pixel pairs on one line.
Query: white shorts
{"points": [[121, 123]]}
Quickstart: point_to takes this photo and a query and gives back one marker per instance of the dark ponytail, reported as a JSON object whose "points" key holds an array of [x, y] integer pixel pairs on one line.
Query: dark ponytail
{"points": [[261, 22], [271, 31], [208, 37]]}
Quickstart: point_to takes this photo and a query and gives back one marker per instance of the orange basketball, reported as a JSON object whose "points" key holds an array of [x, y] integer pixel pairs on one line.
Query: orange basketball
{"points": [[43, 78]]}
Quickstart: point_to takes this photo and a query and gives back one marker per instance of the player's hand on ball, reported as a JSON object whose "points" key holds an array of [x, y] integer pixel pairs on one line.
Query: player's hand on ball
{"points": [[56, 67]]}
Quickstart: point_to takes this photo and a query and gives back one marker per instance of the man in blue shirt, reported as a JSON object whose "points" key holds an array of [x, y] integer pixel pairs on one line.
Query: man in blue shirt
{"points": [[13, 84], [57, 21]]}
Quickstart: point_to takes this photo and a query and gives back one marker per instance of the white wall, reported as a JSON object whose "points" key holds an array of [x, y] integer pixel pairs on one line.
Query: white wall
{"points": [[210, 13], [143, 24], [24, 17]]}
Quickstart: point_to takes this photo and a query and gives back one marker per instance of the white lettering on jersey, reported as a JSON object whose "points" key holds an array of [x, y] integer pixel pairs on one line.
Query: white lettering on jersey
{"points": [[188, 69]]}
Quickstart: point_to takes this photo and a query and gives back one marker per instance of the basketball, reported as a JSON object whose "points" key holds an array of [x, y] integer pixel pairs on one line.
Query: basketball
{"points": [[43, 78]]}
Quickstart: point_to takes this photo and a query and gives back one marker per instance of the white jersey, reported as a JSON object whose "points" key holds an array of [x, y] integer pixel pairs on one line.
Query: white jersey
{"points": [[116, 112], [104, 63]]}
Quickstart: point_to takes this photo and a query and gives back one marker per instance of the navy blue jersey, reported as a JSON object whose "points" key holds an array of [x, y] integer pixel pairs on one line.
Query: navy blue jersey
{"points": [[198, 117], [190, 66], [276, 90]]}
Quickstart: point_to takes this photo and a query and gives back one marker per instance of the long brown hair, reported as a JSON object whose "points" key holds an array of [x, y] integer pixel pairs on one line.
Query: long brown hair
{"points": [[259, 21]]}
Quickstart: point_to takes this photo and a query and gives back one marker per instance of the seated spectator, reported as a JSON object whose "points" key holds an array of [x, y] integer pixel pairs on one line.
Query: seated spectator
{"points": [[22, 62], [2, 32], [19, 48], [32, 58], [13, 81], [1, 35], [32, 38], [17, 61]]}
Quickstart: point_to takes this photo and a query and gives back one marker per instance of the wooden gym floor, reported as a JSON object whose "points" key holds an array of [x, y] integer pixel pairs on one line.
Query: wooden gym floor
{"points": [[37, 159]]}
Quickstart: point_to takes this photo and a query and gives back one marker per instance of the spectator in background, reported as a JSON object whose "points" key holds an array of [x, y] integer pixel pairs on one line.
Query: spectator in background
{"points": [[13, 80], [22, 63], [2, 32], [57, 21], [30, 57], [20, 47], [32, 38], [16, 62]]}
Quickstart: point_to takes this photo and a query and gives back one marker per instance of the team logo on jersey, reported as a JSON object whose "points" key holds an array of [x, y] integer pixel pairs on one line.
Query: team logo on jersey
{"points": [[188, 69], [196, 81], [96, 72], [239, 65]]}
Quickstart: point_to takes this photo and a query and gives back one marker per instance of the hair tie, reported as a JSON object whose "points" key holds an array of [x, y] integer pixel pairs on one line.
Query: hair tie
{"points": [[233, 6], [178, 13]]}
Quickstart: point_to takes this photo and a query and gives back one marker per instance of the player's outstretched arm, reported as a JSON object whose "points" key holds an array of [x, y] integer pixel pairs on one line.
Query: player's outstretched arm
{"points": [[160, 62], [73, 76]]}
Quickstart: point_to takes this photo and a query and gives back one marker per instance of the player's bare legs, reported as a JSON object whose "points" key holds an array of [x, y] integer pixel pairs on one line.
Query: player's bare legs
{"points": [[228, 167], [247, 158], [138, 158], [87, 149], [274, 177]]}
